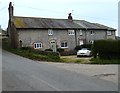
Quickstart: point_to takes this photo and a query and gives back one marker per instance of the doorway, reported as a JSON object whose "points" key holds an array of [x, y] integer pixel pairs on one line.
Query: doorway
{"points": [[53, 45]]}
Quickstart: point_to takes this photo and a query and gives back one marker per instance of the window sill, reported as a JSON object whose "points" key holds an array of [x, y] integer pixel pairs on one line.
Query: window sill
{"points": [[64, 47], [37, 48]]}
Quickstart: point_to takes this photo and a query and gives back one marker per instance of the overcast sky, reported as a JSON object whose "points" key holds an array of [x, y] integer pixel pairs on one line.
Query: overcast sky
{"points": [[98, 11]]}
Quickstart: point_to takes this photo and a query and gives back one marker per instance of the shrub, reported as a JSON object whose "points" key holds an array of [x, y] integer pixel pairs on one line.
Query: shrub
{"points": [[48, 50], [68, 53], [106, 49], [78, 47], [60, 50], [88, 46], [25, 48]]}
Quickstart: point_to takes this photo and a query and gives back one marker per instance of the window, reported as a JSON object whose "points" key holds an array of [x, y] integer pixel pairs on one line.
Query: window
{"points": [[64, 44], [81, 42], [92, 32], [109, 33], [50, 32], [81, 32], [91, 41], [37, 45], [71, 32]]}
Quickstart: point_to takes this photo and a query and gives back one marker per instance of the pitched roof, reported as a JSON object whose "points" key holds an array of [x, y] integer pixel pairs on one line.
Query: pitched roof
{"points": [[32, 22], [89, 25], [47, 23]]}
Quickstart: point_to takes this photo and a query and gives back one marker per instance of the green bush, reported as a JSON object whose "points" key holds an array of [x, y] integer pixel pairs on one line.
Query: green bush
{"points": [[78, 47], [106, 49], [60, 50], [88, 46], [25, 48], [104, 61], [68, 53], [48, 50]]}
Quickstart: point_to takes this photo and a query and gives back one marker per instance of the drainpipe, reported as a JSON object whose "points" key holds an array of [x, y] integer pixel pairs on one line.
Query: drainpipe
{"points": [[85, 35], [76, 37]]}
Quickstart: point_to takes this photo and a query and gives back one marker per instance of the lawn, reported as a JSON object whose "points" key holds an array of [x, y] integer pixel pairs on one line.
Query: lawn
{"points": [[104, 61], [75, 59]]}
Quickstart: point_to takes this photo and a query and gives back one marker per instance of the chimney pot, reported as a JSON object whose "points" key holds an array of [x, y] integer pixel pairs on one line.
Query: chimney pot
{"points": [[70, 17]]}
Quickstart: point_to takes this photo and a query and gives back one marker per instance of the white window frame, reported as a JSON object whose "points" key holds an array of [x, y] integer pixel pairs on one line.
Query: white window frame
{"points": [[91, 41], [37, 45], [81, 32], [50, 32], [81, 41], [109, 33], [71, 32], [64, 46], [92, 32]]}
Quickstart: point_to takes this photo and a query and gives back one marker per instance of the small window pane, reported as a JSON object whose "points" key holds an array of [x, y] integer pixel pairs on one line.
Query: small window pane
{"points": [[109, 33], [64, 44], [50, 32], [81, 32], [92, 32], [37, 45], [71, 32]]}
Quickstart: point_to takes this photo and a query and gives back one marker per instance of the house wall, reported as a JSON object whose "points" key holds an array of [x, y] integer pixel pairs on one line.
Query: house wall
{"points": [[98, 34], [29, 37], [111, 36], [12, 35]]}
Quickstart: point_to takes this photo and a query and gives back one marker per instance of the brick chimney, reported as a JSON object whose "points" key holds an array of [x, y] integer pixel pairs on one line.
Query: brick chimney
{"points": [[70, 17], [10, 10]]}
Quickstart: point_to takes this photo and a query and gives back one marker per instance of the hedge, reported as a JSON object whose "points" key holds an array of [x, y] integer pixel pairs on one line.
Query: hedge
{"points": [[106, 49], [89, 46]]}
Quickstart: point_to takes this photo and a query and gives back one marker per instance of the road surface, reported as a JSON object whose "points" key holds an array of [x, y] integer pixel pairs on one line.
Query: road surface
{"points": [[21, 74]]}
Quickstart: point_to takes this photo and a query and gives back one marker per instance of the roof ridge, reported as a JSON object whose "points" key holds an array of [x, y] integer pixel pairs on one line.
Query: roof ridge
{"points": [[39, 17]]}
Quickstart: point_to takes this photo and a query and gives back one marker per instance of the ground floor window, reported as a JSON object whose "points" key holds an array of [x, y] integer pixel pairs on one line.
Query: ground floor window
{"points": [[37, 45], [81, 42], [91, 41], [64, 44]]}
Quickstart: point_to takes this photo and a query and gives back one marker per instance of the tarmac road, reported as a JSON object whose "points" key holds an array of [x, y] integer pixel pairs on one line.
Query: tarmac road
{"points": [[21, 74]]}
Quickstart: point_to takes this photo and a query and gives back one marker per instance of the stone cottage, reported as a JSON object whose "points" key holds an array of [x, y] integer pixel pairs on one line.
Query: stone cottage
{"points": [[50, 33]]}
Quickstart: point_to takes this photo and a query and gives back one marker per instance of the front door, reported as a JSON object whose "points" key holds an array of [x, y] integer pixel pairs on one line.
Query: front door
{"points": [[53, 45]]}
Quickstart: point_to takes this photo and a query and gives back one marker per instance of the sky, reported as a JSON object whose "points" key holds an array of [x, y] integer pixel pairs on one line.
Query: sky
{"points": [[97, 11]]}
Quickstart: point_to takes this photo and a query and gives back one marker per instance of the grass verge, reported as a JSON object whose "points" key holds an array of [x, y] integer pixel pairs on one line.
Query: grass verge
{"points": [[31, 54], [103, 61]]}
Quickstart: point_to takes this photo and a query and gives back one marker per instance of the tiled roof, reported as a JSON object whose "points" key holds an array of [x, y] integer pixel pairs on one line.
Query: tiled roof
{"points": [[47, 23]]}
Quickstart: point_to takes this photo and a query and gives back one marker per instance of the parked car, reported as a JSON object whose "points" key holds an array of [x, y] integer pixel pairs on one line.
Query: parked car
{"points": [[84, 52]]}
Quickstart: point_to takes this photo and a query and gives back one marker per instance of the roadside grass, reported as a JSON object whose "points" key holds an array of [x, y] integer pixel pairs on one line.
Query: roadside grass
{"points": [[72, 59], [104, 61], [69, 60], [27, 53], [35, 56], [40, 56]]}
